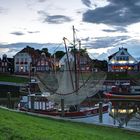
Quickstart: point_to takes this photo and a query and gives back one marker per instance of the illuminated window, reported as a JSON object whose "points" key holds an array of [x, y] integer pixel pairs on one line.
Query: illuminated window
{"points": [[21, 68]]}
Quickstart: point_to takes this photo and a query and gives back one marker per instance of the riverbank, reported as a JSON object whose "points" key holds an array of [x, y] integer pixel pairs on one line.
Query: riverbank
{"points": [[13, 78], [21, 126]]}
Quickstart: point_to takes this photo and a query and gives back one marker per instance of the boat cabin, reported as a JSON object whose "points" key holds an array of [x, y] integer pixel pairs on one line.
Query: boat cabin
{"points": [[36, 102]]}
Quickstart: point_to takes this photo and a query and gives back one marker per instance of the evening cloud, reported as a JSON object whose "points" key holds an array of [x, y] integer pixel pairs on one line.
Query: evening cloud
{"points": [[118, 12], [18, 33], [54, 19], [86, 2]]}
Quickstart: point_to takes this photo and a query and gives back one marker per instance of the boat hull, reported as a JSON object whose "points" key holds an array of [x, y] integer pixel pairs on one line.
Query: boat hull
{"points": [[76, 114], [111, 95]]}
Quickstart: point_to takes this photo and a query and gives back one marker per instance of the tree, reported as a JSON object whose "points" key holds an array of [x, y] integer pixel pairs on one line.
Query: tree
{"points": [[81, 51], [45, 50], [101, 64], [59, 54]]}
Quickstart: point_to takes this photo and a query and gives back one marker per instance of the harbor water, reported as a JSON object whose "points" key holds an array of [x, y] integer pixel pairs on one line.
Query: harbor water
{"points": [[128, 118]]}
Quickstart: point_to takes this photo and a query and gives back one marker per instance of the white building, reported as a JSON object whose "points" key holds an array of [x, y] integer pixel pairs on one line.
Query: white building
{"points": [[122, 61], [83, 62], [22, 62]]}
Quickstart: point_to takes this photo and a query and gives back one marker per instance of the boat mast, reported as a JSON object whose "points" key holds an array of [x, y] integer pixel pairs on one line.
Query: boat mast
{"points": [[75, 59], [64, 39]]}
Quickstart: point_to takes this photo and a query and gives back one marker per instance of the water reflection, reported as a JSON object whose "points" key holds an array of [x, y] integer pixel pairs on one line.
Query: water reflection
{"points": [[121, 114], [124, 111]]}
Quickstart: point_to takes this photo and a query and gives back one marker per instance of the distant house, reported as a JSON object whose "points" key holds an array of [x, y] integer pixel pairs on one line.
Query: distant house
{"points": [[22, 63], [25, 60], [64, 58], [83, 62], [122, 61], [43, 63], [6, 64]]}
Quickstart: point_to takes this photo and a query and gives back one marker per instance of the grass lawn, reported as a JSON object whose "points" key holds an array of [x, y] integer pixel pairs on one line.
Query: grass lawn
{"points": [[122, 76], [10, 78], [17, 126]]}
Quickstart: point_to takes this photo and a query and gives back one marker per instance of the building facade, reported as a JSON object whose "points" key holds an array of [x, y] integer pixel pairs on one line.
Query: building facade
{"points": [[43, 63], [25, 60], [6, 64], [122, 61], [83, 62], [22, 63]]}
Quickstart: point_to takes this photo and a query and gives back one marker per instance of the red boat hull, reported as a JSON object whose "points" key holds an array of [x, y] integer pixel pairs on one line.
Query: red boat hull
{"points": [[76, 114], [111, 95]]}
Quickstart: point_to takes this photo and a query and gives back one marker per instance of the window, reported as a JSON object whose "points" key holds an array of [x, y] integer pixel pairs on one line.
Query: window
{"points": [[17, 68], [26, 68], [5, 63], [117, 58], [25, 59], [38, 63], [17, 60], [122, 53], [42, 62], [22, 59]]}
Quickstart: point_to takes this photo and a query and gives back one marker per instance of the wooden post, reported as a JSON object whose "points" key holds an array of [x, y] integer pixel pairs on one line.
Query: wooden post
{"points": [[100, 112], [9, 100], [62, 108], [127, 114], [78, 107], [32, 102], [114, 116]]}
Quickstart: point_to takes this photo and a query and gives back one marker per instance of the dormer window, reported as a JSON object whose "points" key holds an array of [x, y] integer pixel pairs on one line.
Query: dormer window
{"points": [[122, 53]]}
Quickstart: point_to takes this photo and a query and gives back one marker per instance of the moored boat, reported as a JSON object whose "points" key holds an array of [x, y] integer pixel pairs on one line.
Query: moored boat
{"points": [[111, 95], [41, 105], [123, 92]]}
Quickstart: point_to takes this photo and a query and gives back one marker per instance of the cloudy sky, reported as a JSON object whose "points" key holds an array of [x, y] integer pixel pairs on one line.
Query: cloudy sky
{"points": [[102, 25]]}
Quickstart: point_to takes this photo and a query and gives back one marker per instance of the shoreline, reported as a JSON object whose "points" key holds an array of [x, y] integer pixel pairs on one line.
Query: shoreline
{"points": [[71, 120]]}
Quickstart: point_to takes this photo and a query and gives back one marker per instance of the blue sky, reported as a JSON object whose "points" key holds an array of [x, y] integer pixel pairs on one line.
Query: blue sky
{"points": [[102, 25]]}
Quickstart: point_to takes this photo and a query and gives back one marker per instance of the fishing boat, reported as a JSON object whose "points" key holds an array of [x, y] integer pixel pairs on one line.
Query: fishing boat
{"points": [[68, 88], [123, 91], [41, 105]]}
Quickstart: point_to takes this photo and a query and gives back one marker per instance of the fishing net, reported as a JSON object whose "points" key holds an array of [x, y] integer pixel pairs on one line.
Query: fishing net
{"points": [[70, 85]]}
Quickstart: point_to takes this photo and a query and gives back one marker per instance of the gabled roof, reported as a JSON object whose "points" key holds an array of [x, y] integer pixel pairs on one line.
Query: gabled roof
{"points": [[11, 60], [109, 57], [122, 51], [84, 56], [31, 51]]}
